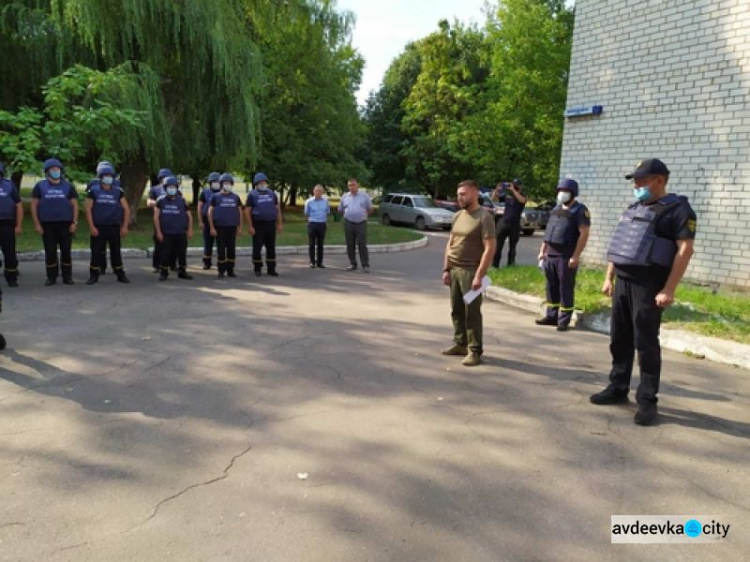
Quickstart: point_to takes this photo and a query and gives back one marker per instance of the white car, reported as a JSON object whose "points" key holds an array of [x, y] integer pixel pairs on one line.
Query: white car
{"points": [[419, 211]]}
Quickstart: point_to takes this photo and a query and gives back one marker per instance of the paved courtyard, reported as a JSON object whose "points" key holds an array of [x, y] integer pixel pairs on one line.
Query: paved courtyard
{"points": [[311, 417]]}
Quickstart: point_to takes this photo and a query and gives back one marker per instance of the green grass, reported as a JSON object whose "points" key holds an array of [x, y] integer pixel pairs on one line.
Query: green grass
{"points": [[722, 314], [294, 234]]}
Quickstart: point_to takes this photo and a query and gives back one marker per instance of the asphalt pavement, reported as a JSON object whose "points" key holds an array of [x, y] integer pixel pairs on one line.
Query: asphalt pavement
{"points": [[311, 417]]}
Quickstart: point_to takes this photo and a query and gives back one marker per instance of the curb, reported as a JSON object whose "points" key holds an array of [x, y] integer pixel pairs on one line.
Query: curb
{"points": [[338, 249], [703, 347]]}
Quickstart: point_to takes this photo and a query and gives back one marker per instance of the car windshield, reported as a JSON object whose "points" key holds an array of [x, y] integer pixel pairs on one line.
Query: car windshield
{"points": [[424, 202]]}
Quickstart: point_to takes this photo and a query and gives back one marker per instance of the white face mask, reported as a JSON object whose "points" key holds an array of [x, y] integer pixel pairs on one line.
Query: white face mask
{"points": [[564, 197], [262, 186], [227, 187], [108, 180], [215, 186]]}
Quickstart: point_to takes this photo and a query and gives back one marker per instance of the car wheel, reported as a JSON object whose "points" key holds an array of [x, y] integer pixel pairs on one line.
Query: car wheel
{"points": [[528, 232], [386, 220], [420, 223]]}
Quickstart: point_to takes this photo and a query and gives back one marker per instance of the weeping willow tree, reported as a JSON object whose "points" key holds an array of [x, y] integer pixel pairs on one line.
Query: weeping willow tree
{"points": [[191, 70]]}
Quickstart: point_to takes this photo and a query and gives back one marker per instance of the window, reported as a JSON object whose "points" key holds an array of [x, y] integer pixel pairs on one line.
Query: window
{"points": [[397, 200], [424, 202], [388, 199], [408, 202]]}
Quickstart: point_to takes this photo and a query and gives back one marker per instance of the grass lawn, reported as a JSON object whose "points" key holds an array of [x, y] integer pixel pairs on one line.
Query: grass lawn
{"points": [[723, 314], [294, 234]]}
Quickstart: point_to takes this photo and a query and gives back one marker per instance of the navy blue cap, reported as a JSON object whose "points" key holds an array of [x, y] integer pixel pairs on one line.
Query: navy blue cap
{"points": [[164, 173], [259, 177], [568, 184], [650, 167]]}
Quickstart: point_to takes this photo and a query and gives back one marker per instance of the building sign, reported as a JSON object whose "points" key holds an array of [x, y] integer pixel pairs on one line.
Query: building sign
{"points": [[584, 110]]}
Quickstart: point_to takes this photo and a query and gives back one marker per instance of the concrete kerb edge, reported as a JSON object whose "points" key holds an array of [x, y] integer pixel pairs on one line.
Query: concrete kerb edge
{"points": [[81, 254], [713, 349]]}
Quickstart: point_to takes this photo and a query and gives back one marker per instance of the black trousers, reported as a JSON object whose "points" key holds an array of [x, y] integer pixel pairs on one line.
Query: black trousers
{"points": [[265, 236], [316, 235], [226, 247], [156, 258], [505, 231], [57, 235], [208, 242], [356, 239], [8, 245], [174, 250], [109, 234], [636, 321], [561, 289]]}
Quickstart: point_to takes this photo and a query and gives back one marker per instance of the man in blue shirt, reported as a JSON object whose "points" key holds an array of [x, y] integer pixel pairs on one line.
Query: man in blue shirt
{"points": [[317, 210], [54, 210], [356, 206], [11, 219]]}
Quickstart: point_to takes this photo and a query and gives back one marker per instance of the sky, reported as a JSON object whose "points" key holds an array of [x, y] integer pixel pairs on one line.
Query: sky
{"points": [[384, 27]]}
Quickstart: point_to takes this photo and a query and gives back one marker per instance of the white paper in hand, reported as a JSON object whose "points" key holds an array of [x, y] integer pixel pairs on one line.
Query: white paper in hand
{"points": [[471, 296]]}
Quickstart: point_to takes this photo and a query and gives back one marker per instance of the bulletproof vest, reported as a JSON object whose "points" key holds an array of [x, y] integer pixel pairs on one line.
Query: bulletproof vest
{"points": [[635, 241], [226, 209], [107, 209], [263, 203], [561, 226], [7, 200], [54, 202], [157, 191], [173, 215], [208, 194]]}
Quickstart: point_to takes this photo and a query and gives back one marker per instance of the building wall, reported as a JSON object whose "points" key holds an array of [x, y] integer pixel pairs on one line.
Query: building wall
{"points": [[674, 79]]}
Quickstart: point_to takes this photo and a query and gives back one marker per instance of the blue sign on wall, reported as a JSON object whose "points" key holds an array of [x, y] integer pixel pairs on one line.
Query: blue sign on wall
{"points": [[584, 110]]}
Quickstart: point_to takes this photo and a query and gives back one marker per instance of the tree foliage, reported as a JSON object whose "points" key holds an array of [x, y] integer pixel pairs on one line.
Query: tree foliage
{"points": [[486, 104]]}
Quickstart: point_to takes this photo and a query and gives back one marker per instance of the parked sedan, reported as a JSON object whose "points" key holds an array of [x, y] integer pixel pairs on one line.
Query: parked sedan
{"points": [[416, 210]]}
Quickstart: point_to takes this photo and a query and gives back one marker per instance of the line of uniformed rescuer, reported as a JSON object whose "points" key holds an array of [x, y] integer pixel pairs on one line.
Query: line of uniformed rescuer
{"points": [[649, 253]]}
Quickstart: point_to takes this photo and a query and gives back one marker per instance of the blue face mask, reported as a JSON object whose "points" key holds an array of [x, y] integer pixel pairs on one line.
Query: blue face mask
{"points": [[642, 194], [171, 191], [55, 174], [108, 180]]}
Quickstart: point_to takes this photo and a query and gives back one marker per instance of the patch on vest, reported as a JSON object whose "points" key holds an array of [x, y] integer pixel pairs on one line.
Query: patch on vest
{"points": [[692, 225]]}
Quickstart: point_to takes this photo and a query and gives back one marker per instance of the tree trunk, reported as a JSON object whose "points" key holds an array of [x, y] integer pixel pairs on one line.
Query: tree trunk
{"points": [[134, 176], [17, 178], [196, 190], [293, 195]]}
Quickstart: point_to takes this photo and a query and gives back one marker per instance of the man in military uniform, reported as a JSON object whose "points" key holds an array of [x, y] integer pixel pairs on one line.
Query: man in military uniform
{"points": [[225, 222], [174, 226], [94, 184], [509, 225], [204, 204], [263, 216], [11, 219], [564, 241], [649, 253], [468, 256], [156, 192], [54, 210], [108, 215]]}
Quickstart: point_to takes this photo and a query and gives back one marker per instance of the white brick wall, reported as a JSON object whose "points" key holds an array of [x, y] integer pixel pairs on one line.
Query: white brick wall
{"points": [[674, 79]]}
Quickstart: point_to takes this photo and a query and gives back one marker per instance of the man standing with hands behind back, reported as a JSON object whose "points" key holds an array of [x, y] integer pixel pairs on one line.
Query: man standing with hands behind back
{"points": [[468, 256], [356, 206]]}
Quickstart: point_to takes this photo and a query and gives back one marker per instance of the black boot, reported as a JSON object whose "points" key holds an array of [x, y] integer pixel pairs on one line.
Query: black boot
{"points": [[93, 278], [609, 395], [230, 272], [122, 278], [184, 275]]}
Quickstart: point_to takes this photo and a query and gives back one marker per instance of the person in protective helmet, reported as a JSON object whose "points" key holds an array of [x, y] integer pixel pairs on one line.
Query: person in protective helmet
{"points": [[156, 192], [54, 210], [564, 241], [94, 184], [108, 214], [174, 226], [225, 222], [11, 219], [204, 203], [263, 216]]}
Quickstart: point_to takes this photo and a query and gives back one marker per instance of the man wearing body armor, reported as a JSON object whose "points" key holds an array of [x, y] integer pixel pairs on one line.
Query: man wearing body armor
{"points": [[564, 241], [649, 253]]}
